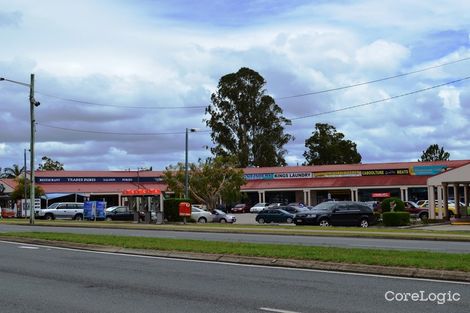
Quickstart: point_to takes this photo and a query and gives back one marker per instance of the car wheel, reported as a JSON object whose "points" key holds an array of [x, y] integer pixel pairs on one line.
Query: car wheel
{"points": [[289, 220], [261, 220], [49, 217], [223, 220], [108, 219], [364, 223], [78, 217], [324, 222], [202, 220], [423, 216], [451, 214]]}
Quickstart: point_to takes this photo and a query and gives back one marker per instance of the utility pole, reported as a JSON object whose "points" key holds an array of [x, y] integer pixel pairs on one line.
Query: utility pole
{"points": [[33, 103], [186, 175], [25, 203]]}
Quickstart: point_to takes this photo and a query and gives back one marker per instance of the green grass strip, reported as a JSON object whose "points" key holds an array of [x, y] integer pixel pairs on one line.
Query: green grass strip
{"points": [[415, 259]]}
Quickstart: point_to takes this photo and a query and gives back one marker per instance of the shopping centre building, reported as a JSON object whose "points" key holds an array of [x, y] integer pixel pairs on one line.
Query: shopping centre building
{"points": [[307, 184]]}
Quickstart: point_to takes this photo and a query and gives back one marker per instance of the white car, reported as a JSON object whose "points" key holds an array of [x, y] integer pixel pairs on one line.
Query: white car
{"points": [[258, 207], [200, 215]]}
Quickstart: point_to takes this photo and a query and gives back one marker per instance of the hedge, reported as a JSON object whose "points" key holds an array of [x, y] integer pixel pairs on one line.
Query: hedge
{"points": [[399, 204], [171, 209], [396, 218]]}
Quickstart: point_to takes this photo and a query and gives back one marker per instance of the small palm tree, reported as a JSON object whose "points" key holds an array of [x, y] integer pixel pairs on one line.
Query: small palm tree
{"points": [[13, 172]]}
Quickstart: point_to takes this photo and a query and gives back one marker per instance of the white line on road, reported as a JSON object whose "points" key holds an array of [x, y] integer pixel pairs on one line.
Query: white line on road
{"points": [[28, 247], [276, 310], [244, 265]]}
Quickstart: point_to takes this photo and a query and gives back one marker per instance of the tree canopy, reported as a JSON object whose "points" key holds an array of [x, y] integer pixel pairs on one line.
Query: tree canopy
{"points": [[12, 172], [246, 122], [327, 146], [209, 180], [434, 153], [18, 192], [49, 164]]}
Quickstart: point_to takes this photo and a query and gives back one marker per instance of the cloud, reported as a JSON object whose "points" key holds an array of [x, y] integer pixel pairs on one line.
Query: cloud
{"points": [[170, 54]]}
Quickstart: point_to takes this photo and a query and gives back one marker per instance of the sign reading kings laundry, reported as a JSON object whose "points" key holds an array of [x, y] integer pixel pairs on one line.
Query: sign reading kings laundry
{"points": [[264, 176]]}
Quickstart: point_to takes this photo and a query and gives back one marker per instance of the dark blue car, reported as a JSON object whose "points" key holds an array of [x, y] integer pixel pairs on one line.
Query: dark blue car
{"points": [[274, 216]]}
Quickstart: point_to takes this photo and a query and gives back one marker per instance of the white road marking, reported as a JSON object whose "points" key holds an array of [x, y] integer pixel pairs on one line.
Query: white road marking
{"points": [[28, 247], [276, 310], [245, 265]]}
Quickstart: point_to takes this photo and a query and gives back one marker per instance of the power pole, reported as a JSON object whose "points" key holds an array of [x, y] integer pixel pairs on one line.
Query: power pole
{"points": [[25, 204], [33, 103]]}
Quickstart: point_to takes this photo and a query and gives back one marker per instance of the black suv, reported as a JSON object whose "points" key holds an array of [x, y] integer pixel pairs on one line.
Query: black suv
{"points": [[337, 213]]}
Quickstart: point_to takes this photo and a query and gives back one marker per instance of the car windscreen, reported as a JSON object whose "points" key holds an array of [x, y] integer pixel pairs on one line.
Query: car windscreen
{"points": [[324, 206]]}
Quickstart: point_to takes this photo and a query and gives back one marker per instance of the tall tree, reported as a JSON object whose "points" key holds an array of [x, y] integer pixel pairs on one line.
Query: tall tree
{"points": [[246, 122], [18, 192], [209, 180], [327, 146], [49, 164], [434, 153], [12, 172]]}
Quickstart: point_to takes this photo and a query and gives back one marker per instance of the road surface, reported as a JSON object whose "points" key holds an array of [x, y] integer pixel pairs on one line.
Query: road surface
{"points": [[52, 280]]}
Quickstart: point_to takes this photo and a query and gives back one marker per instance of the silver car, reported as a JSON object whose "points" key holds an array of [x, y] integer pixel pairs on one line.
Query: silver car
{"points": [[219, 216], [62, 210], [200, 215]]}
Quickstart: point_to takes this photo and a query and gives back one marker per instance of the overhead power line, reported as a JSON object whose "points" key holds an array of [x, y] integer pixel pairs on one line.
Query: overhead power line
{"points": [[381, 100], [123, 106], [117, 133], [294, 118], [372, 81]]}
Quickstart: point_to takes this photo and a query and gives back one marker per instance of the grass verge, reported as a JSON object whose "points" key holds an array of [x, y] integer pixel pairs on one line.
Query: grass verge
{"points": [[414, 259], [372, 232]]}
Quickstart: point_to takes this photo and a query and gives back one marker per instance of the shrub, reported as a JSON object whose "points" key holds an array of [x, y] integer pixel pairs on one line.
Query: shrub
{"points": [[396, 218], [171, 209], [399, 205]]}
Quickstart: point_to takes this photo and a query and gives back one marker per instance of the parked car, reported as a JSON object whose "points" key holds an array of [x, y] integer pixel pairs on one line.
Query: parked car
{"points": [[7, 213], [119, 213], [219, 216], [416, 211], [240, 208], [450, 206], [274, 216], [344, 213], [62, 210], [200, 215], [258, 207], [293, 209]]}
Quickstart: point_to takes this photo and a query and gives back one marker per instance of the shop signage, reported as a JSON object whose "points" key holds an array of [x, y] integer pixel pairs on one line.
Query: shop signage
{"points": [[338, 174], [380, 195], [140, 192], [45, 180], [266, 176], [385, 172], [428, 170]]}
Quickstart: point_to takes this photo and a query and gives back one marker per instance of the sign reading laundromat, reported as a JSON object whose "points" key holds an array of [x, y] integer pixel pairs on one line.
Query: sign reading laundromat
{"points": [[265, 176]]}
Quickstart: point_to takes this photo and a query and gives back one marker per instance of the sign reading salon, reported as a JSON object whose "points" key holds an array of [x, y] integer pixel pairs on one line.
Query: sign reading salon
{"points": [[45, 180]]}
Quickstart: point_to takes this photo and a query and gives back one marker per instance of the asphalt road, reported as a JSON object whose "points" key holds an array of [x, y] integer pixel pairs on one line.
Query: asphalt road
{"points": [[47, 279], [422, 245]]}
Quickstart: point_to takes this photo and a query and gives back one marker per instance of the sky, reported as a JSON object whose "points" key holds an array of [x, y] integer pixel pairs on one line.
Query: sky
{"points": [[119, 81]]}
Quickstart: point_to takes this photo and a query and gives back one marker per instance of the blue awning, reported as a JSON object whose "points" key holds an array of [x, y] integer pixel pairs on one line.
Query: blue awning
{"points": [[50, 196]]}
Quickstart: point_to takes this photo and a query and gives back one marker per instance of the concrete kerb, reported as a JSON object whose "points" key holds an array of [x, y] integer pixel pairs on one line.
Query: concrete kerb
{"points": [[292, 263]]}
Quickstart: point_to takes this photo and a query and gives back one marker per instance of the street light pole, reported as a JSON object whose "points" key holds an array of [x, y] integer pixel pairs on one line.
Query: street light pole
{"points": [[33, 103], [186, 176]]}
